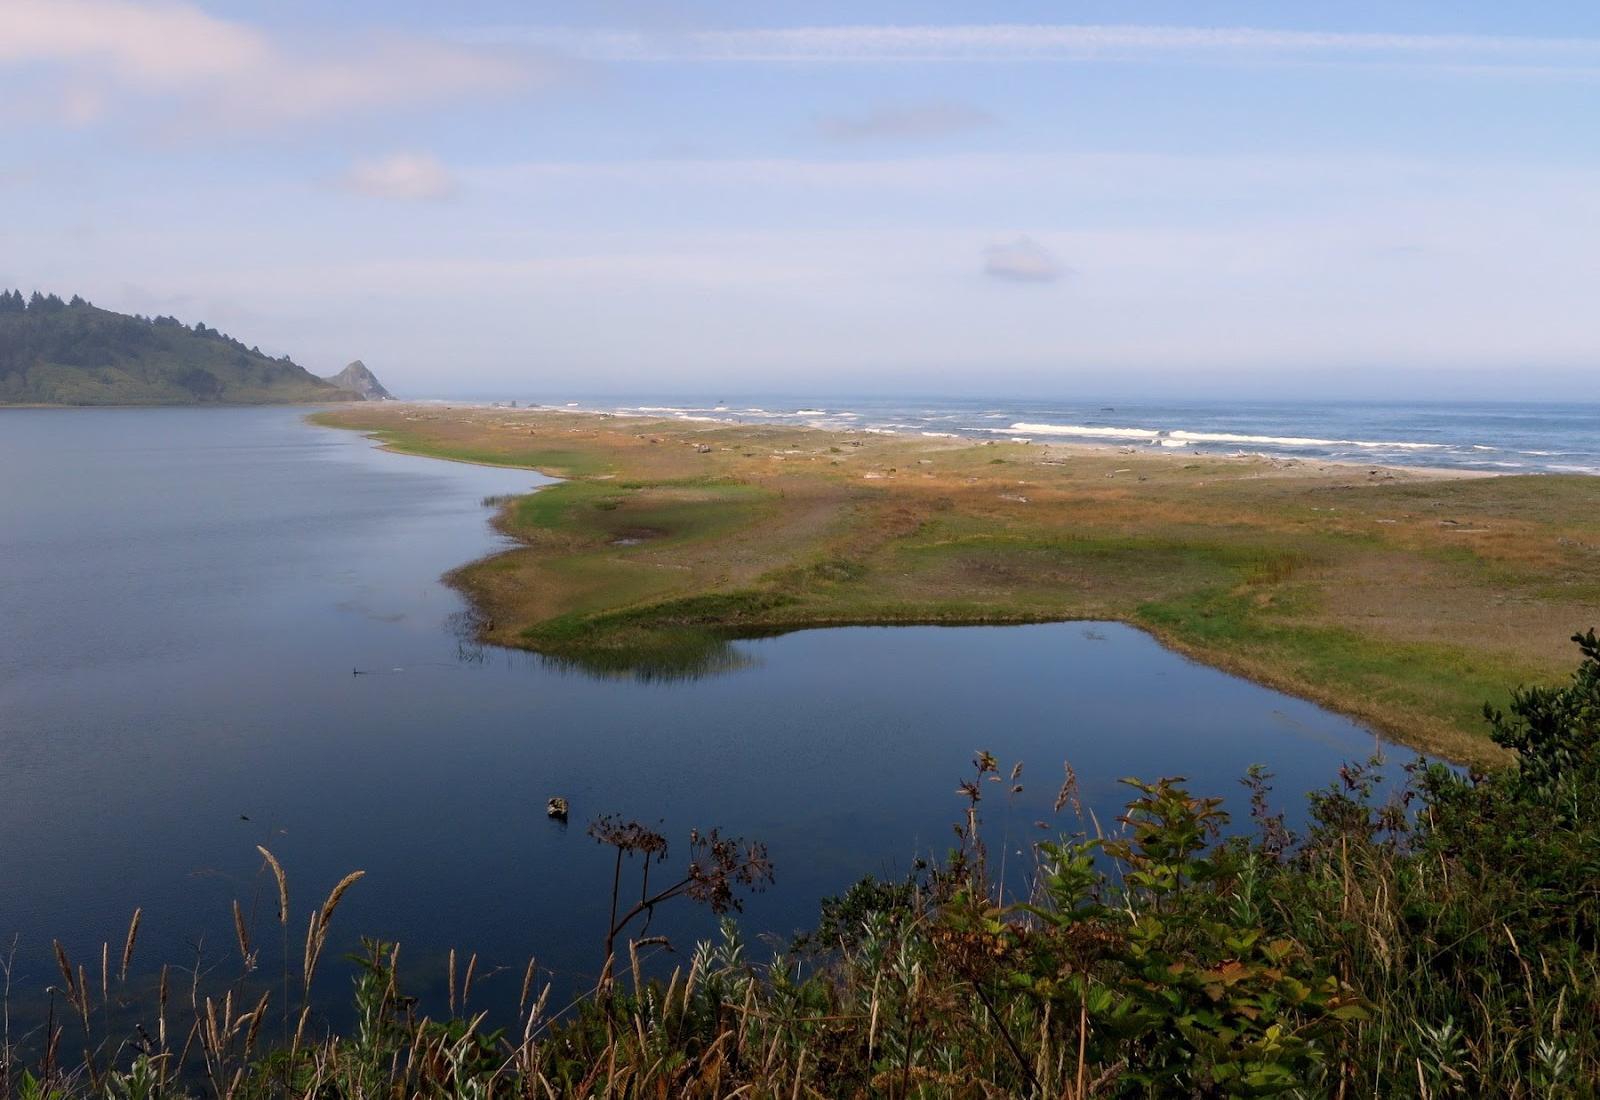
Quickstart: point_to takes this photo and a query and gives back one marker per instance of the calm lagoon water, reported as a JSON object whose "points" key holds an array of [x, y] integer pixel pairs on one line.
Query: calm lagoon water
{"points": [[184, 596]]}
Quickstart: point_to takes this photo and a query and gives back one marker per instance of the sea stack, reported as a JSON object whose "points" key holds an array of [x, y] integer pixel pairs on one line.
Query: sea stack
{"points": [[359, 380]]}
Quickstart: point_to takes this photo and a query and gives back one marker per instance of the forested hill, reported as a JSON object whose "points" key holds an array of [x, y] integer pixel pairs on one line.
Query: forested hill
{"points": [[72, 353]]}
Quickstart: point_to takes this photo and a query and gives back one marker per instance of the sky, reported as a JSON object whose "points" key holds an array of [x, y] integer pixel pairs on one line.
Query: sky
{"points": [[1176, 199]]}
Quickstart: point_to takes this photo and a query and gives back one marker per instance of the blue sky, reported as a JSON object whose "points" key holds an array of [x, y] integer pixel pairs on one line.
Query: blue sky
{"points": [[1176, 199]]}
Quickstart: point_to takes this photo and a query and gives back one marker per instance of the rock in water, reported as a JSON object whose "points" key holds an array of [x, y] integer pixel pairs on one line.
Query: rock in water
{"points": [[359, 380]]}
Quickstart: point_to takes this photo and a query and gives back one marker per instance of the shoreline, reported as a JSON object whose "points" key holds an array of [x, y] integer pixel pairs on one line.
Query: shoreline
{"points": [[1071, 446], [1189, 431], [664, 540]]}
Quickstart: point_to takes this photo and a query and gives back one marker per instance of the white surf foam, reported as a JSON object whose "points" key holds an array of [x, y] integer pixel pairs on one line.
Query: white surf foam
{"points": [[1179, 437], [1082, 430], [1299, 441]]}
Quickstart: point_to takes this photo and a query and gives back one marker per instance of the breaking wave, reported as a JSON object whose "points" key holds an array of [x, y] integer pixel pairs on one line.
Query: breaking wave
{"points": [[1179, 437]]}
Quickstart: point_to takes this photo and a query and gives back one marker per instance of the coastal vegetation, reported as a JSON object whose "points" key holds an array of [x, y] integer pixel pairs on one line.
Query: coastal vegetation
{"points": [[55, 352], [1439, 940], [1403, 598]]}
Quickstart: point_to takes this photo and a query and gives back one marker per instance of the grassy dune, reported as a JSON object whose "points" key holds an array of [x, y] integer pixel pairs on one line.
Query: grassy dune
{"points": [[1403, 598]]}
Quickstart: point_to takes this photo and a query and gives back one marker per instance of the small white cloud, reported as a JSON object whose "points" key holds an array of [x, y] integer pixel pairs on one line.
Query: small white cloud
{"points": [[916, 121], [412, 177], [1023, 260]]}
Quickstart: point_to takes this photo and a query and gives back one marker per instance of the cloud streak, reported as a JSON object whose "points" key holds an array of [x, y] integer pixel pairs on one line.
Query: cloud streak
{"points": [[143, 44], [1013, 42], [209, 71]]}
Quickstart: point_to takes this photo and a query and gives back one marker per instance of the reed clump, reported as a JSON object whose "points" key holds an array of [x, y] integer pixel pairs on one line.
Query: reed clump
{"points": [[1439, 940]]}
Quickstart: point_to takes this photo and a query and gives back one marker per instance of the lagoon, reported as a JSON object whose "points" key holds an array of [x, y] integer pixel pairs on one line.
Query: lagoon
{"points": [[189, 594]]}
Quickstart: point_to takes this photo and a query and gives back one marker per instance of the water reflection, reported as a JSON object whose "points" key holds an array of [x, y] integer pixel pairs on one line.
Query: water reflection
{"points": [[693, 656]]}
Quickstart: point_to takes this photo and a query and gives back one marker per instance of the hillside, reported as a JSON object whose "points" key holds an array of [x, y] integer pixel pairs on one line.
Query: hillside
{"points": [[73, 353]]}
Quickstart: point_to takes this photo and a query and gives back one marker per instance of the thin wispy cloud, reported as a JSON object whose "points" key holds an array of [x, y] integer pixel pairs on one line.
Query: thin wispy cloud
{"points": [[186, 68], [1012, 42], [152, 45], [1106, 178], [908, 122], [409, 177]]}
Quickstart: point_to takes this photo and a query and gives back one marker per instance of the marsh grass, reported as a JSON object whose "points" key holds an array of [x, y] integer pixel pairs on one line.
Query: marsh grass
{"points": [[1402, 600]]}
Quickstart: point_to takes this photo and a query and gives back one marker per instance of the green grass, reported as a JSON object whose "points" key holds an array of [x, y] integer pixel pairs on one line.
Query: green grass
{"points": [[562, 507], [1363, 675], [557, 463], [605, 510], [665, 639]]}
